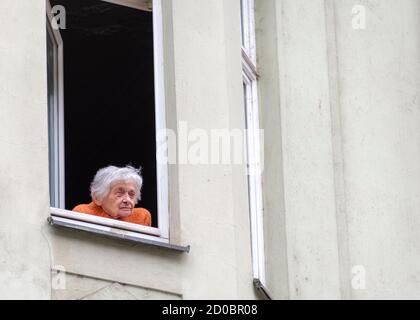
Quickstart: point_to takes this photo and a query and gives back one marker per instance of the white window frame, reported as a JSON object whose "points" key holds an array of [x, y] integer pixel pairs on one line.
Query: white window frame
{"points": [[102, 225], [248, 30], [250, 78], [57, 113]]}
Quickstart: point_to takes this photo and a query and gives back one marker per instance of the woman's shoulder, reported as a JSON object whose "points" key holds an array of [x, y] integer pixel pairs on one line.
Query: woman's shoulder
{"points": [[144, 215], [80, 207], [85, 208], [142, 211]]}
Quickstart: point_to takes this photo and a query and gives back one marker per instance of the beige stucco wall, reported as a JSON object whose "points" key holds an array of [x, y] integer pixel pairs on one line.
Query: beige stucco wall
{"points": [[340, 110], [24, 201], [347, 101], [299, 176], [379, 78], [213, 198]]}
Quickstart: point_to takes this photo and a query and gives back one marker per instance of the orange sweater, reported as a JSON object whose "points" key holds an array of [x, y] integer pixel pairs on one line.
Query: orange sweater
{"points": [[139, 215]]}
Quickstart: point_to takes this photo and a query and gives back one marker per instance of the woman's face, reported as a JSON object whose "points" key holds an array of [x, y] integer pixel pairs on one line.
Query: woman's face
{"points": [[120, 200]]}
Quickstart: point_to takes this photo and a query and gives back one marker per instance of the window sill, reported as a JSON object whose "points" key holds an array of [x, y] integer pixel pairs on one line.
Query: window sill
{"points": [[112, 232]]}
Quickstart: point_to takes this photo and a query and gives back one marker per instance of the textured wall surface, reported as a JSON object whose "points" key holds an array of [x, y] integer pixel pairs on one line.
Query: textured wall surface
{"points": [[213, 198], [84, 288], [309, 195], [24, 201], [339, 96], [345, 88], [379, 89]]}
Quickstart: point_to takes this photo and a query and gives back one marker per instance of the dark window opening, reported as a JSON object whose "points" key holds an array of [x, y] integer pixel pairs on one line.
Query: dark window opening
{"points": [[109, 116]]}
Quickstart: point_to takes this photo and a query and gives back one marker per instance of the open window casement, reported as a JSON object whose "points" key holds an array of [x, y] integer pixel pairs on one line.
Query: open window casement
{"points": [[55, 72], [56, 45]]}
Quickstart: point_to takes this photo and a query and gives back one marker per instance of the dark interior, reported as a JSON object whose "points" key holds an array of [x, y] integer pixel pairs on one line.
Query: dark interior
{"points": [[108, 96]]}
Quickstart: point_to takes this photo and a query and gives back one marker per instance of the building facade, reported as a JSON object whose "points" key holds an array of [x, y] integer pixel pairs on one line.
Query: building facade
{"points": [[334, 87]]}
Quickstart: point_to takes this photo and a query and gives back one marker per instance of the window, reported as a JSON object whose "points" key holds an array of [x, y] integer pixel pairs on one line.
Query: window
{"points": [[105, 105], [250, 77]]}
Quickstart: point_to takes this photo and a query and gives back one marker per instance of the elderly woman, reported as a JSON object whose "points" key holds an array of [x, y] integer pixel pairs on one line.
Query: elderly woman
{"points": [[115, 191]]}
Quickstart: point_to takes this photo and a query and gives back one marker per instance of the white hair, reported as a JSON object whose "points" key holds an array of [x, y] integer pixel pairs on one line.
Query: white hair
{"points": [[107, 177]]}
